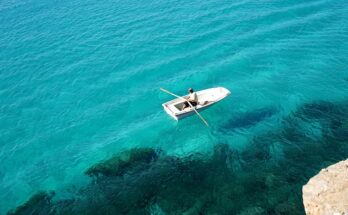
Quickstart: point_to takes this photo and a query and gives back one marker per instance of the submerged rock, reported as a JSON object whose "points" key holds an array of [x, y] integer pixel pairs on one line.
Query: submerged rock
{"points": [[39, 204], [140, 180], [332, 113], [123, 162], [253, 211], [327, 192], [318, 109], [265, 178]]}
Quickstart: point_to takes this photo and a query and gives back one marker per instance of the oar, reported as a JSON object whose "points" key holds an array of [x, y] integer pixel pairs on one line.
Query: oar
{"points": [[166, 91]]}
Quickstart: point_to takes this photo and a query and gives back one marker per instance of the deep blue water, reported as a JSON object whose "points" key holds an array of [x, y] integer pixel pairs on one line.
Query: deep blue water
{"points": [[79, 82]]}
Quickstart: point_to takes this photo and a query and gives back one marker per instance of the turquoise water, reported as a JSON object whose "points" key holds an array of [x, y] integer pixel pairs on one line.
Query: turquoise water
{"points": [[79, 82]]}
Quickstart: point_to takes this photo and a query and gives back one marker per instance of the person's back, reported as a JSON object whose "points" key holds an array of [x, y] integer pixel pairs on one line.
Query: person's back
{"points": [[192, 98]]}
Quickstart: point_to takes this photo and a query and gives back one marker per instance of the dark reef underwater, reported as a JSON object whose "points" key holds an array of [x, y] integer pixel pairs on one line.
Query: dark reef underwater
{"points": [[267, 178]]}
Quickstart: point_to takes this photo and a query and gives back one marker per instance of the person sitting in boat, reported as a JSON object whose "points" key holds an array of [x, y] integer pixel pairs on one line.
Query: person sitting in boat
{"points": [[192, 98]]}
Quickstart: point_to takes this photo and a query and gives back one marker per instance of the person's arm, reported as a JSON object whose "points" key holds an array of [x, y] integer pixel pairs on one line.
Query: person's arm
{"points": [[188, 98]]}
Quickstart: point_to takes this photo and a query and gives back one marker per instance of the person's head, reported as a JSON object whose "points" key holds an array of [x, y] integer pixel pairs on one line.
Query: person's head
{"points": [[190, 90]]}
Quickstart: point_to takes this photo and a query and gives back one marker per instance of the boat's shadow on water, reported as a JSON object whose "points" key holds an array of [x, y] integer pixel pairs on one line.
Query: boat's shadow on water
{"points": [[248, 119], [266, 178]]}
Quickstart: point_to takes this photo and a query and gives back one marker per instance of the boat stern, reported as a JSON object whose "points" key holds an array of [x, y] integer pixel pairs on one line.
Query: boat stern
{"points": [[170, 111]]}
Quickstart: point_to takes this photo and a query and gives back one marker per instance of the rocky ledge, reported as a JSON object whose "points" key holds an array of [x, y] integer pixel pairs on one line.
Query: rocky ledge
{"points": [[327, 192]]}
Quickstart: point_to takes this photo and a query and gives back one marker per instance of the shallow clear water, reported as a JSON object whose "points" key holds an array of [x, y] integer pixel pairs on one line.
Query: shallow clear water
{"points": [[79, 82]]}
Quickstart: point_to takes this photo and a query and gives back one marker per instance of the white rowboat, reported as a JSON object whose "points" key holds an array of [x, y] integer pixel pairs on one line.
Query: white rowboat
{"points": [[206, 98]]}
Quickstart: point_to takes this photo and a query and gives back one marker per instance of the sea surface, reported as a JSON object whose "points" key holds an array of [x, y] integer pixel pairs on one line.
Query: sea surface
{"points": [[79, 84]]}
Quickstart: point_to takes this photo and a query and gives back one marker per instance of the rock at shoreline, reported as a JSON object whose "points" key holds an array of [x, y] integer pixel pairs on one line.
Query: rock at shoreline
{"points": [[327, 192]]}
